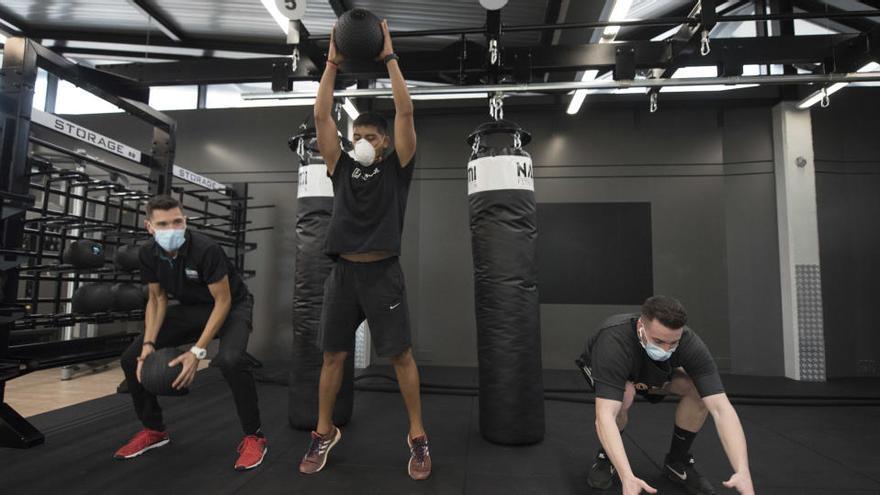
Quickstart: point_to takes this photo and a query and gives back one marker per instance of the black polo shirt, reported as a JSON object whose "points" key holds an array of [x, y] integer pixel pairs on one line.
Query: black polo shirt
{"points": [[616, 356], [199, 262]]}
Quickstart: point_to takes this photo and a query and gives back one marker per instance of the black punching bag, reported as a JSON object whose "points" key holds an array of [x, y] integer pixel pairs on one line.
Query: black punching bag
{"points": [[314, 207], [504, 237]]}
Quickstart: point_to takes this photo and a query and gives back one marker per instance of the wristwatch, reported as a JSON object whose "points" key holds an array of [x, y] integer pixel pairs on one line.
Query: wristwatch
{"points": [[198, 352], [390, 57]]}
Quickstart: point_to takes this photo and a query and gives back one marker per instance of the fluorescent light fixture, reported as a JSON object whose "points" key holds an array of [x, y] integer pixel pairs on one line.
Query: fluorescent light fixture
{"points": [[460, 96], [350, 109], [695, 71], [666, 34], [706, 88], [817, 96], [578, 99], [281, 19], [8, 28], [618, 13]]}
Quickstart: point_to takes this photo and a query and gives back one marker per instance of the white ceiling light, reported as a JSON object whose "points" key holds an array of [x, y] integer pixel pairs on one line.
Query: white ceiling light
{"points": [[618, 13], [282, 20], [821, 94], [493, 4], [460, 96], [695, 71], [350, 109], [706, 88], [578, 99]]}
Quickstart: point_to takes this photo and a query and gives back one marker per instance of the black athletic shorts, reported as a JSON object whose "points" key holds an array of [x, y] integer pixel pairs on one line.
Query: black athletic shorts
{"points": [[373, 291]]}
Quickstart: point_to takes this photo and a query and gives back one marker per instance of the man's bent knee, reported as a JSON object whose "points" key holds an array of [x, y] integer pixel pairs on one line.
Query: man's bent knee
{"points": [[334, 359], [403, 359]]}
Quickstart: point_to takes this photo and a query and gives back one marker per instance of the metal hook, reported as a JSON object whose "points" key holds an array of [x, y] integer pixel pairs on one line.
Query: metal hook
{"points": [[705, 49], [496, 106], [301, 148], [295, 59], [826, 99], [654, 106]]}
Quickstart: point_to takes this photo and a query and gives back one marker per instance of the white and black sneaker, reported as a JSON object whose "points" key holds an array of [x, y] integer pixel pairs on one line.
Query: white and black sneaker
{"points": [[685, 475], [602, 472]]}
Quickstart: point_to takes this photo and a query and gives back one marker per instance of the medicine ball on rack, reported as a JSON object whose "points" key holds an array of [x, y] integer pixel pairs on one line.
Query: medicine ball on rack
{"points": [[92, 298], [359, 35], [128, 297], [128, 257], [157, 377], [84, 253]]}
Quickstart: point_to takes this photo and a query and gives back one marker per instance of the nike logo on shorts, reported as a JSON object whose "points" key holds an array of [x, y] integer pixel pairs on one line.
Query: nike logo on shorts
{"points": [[394, 306]]}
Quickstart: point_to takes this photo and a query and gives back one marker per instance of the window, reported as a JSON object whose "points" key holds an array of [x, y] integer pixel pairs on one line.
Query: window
{"points": [[230, 95], [40, 90], [74, 101], [174, 97]]}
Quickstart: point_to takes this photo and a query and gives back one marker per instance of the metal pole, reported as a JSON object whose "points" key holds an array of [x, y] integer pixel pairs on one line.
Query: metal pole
{"points": [[594, 84], [660, 21]]}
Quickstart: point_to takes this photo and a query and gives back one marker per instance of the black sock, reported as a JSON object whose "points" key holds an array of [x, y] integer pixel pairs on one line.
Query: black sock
{"points": [[681, 444], [259, 433]]}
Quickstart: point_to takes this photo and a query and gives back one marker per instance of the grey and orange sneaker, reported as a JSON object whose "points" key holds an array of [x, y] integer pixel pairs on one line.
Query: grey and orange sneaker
{"points": [[419, 467], [319, 450]]}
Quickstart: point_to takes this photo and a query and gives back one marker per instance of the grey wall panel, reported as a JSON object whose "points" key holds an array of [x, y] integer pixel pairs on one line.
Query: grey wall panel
{"points": [[687, 214], [674, 159], [847, 154], [752, 245]]}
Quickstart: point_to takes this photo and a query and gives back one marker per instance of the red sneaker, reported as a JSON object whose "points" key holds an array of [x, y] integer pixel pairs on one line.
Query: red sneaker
{"points": [[143, 441], [419, 467], [251, 452]]}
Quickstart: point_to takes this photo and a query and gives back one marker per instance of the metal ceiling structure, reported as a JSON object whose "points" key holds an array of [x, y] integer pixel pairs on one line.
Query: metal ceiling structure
{"points": [[446, 42]]}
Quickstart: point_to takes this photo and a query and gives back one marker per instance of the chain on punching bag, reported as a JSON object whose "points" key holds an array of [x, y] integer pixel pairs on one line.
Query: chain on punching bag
{"points": [[314, 208], [504, 237]]}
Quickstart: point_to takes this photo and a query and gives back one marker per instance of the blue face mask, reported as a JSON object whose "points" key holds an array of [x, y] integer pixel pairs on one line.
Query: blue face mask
{"points": [[170, 239], [654, 351]]}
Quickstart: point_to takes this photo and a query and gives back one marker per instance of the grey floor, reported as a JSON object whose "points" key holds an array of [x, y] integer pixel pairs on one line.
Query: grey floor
{"points": [[793, 450]]}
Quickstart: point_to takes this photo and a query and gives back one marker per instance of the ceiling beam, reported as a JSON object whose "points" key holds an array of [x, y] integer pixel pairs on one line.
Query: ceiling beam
{"points": [[551, 16], [279, 48], [166, 25], [427, 65], [339, 6], [859, 24]]}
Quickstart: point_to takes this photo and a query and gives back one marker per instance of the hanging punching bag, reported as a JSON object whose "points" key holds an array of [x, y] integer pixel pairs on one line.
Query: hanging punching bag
{"points": [[314, 207], [504, 237]]}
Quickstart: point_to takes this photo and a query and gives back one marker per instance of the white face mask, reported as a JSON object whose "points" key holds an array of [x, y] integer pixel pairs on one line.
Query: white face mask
{"points": [[654, 351], [363, 153]]}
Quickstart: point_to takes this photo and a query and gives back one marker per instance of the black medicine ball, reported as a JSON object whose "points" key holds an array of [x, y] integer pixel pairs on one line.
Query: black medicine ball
{"points": [[128, 297], [157, 376], [359, 35], [92, 298], [84, 253], [127, 257]]}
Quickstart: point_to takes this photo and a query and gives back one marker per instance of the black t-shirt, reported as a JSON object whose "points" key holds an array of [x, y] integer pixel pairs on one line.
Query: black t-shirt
{"points": [[368, 206], [199, 262], [615, 356]]}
